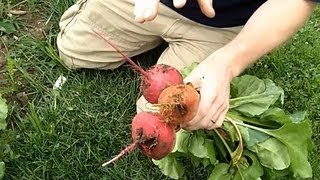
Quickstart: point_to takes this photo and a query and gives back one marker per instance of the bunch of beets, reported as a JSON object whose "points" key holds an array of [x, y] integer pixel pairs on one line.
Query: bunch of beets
{"points": [[161, 85]]}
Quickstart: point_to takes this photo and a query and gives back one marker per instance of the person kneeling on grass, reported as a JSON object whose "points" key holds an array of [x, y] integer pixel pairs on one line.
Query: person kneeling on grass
{"points": [[225, 37]]}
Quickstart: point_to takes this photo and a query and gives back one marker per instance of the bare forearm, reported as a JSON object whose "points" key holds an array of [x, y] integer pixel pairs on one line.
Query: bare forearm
{"points": [[270, 26]]}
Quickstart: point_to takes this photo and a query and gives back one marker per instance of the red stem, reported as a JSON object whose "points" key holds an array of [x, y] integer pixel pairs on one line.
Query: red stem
{"points": [[122, 153], [130, 61]]}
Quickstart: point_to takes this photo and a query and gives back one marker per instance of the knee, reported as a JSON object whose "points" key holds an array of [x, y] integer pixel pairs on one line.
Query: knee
{"points": [[67, 61], [73, 63]]}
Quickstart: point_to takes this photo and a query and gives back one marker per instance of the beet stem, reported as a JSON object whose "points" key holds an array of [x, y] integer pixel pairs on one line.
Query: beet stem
{"points": [[128, 149], [130, 61]]}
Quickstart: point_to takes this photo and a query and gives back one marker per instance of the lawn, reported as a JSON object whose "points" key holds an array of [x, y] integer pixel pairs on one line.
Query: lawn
{"points": [[67, 134]]}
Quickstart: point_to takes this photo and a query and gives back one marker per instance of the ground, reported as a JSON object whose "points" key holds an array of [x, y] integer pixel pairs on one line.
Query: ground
{"points": [[67, 134]]}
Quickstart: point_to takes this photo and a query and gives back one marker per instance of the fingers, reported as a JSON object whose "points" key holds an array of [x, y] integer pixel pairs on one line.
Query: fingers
{"points": [[152, 10], [219, 109], [219, 121], [206, 8], [138, 11], [219, 105], [219, 115], [212, 108], [179, 3], [145, 10], [204, 106]]}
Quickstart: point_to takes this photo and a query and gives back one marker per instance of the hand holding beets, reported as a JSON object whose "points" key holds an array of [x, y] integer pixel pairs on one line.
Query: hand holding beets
{"points": [[212, 79]]}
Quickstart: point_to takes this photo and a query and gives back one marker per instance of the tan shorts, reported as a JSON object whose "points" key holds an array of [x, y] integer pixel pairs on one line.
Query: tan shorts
{"points": [[79, 47]]}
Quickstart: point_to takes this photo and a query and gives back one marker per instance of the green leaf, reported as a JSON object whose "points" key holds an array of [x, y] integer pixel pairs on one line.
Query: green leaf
{"points": [[272, 154], [182, 141], [206, 162], [2, 169], [298, 116], [247, 85], [249, 171], [210, 150], [253, 96], [195, 143], [195, 160], [272, 174], [3, 113], [297, 138], [275, 114], [220, 171], [7, 27], [252, 137], [198, 146], [187, 70], [170, 167]]}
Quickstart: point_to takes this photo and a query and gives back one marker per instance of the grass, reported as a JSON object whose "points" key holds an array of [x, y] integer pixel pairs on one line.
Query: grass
{"points": [[67, 134]]}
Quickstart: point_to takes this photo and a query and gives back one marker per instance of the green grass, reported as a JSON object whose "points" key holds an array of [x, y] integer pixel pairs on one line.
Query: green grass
{"points": [[67, 134]]}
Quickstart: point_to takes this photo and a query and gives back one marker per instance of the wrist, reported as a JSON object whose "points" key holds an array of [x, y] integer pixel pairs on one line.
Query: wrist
{"points": [[232, 58]]}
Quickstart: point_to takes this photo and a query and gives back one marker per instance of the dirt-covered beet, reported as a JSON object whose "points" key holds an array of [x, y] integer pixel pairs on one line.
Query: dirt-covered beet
{"points": [[155, 138], [178, 104]]}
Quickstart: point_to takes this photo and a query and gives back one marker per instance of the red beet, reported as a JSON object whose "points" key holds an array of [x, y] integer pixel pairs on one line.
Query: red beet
{"points": [[154, 79], [157, 139], [154, 137], [159, 77]]}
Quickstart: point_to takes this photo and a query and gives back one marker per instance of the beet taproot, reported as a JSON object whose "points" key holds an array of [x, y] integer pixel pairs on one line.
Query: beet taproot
{"points": [[154, 79]]}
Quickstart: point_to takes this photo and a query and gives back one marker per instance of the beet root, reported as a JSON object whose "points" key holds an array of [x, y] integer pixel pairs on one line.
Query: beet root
{"points": [[151, 135], [158, 78], [178, 104], [156, 138]]}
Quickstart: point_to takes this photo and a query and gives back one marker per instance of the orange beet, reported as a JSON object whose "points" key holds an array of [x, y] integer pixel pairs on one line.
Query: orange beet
{"points": [[178, 103]]}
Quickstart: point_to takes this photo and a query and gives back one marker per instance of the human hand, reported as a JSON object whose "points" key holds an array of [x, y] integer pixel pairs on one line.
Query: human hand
{"points": [[147, 10], [212, 79]]}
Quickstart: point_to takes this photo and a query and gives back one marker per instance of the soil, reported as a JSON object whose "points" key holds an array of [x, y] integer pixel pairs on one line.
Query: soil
{"points": [[15, 92], [38, 27]]}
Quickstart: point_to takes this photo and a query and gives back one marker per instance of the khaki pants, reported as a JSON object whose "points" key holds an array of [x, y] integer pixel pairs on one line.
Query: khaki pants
{"points": [[79, 47]]}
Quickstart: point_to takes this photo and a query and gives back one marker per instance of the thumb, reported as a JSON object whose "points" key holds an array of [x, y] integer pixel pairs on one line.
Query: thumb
{"points": [[179, 3], [195, 79], [206, 8]]}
